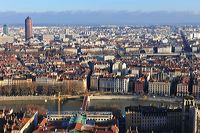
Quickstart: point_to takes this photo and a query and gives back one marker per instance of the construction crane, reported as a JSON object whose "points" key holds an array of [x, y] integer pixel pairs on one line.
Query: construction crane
{"points": [[59, 104]]}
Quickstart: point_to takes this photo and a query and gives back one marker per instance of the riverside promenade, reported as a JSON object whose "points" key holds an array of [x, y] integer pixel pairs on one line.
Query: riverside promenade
{"points": [[35, 98], [140, 98]]}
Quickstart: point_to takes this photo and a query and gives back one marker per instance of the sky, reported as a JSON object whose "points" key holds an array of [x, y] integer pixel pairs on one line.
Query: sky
{"points": [[100, 11], [99, 5]]}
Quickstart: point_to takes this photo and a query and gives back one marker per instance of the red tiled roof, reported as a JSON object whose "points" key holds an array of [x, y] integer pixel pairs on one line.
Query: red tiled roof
{"points": [[78, 126]]}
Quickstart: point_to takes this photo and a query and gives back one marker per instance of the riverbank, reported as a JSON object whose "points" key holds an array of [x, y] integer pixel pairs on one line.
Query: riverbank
{"points": [[26, 98], [132, 97], [95, 97], [35, 98]]}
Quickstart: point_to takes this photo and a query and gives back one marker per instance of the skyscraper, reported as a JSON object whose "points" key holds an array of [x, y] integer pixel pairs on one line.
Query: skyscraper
{"points": [[5, 29], [28, 28]]}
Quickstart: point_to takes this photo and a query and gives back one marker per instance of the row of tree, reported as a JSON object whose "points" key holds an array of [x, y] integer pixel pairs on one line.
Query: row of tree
{"points": [[41, 89]]}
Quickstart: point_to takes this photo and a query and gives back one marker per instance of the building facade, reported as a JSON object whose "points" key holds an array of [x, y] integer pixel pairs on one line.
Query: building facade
{"points": [[119, 67], [159, 88], [139, 87], [106, 84], [182, 89], [121, 85], [94, 83], [110, 84], [196, 90]]}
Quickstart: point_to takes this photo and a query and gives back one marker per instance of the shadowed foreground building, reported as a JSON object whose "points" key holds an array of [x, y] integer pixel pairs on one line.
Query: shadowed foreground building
{"points": [[78, 122], [161, 119]]}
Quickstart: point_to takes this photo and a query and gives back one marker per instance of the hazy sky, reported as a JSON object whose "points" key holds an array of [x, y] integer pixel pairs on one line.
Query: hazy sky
{"points": [[100, 11], [99, 5]]}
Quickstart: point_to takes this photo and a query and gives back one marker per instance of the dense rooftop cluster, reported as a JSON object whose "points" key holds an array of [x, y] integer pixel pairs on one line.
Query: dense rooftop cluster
{"points": [[158, 60]]}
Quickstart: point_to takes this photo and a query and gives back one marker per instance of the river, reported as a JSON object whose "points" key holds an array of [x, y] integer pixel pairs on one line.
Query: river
{"points": [[75, 104]]}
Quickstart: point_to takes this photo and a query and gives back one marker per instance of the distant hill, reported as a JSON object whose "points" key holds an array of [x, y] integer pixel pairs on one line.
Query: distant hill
{"points": [[101, 17]]}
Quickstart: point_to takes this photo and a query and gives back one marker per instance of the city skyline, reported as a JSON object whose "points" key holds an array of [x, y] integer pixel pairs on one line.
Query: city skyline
{"points": [[107, 66]]}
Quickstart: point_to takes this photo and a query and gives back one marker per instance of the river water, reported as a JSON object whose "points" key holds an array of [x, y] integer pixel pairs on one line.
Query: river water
{"points": [[70, 105]]}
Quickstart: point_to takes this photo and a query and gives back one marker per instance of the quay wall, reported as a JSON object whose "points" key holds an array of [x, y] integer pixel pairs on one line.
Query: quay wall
{"points": [[128, 97], [35, 98]]}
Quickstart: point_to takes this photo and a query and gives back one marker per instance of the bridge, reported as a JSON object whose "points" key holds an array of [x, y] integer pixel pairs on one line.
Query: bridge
{"points": [[85, 102], [84, 106]]}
